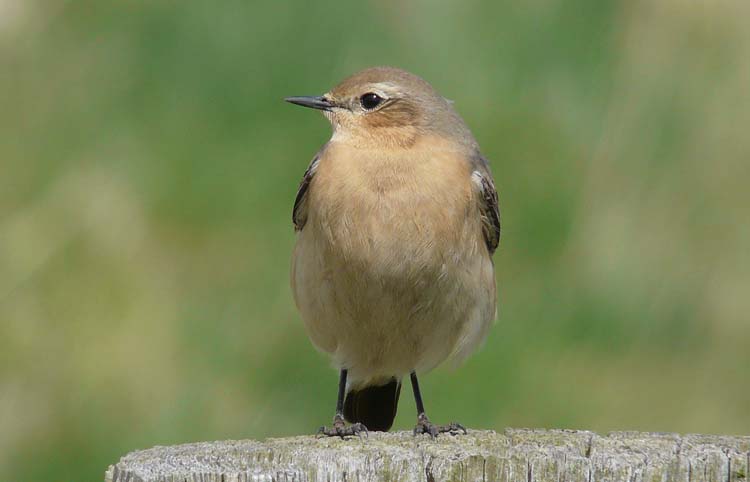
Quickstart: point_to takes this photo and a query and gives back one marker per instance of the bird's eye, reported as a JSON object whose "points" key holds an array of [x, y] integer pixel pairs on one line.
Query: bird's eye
{"points": [[370, 100]]}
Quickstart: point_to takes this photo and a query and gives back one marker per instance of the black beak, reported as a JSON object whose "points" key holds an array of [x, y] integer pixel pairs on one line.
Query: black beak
{"points": [[320, 102]]}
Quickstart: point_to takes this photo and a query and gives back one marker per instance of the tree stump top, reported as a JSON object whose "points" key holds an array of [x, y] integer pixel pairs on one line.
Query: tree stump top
{"points": [[513, 455]]}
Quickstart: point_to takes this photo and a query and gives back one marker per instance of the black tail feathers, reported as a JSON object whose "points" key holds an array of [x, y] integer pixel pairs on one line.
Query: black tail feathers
{"points": [[373, 406]]}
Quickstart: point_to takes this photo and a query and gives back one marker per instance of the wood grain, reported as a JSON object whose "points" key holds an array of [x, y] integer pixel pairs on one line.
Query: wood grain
{"points": [[513, 455]]}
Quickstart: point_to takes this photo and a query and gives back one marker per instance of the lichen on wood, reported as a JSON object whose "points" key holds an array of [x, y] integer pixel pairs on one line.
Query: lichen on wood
{"points": [[513, 455]]}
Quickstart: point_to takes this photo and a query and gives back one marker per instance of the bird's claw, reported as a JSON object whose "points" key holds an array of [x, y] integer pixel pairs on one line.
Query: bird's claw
{"points": [[340, 429], [425, 426]]}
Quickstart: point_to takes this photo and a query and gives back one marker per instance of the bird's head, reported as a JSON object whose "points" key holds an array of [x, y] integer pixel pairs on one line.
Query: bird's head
{"points": [[383, 106]]}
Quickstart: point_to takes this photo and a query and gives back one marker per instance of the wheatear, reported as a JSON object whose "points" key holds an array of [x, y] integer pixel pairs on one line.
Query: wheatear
{"points": [[397, 220]]}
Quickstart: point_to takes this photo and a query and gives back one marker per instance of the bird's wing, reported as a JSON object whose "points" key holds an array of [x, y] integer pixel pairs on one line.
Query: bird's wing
{"points": [[299, 213], [488, 204]]}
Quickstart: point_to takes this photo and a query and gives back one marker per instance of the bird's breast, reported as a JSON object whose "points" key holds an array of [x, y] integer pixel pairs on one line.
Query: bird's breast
{"points": [[395, 212]]}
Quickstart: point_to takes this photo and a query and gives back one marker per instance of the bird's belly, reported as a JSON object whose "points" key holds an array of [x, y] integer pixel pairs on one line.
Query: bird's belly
{"points": [[392, 292]]}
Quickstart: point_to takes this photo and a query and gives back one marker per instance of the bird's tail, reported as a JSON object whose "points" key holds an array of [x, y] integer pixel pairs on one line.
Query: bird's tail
{"points": [[374, 406]]}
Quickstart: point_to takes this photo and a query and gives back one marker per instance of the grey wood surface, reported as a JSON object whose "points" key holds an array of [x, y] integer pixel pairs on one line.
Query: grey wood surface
{"points": [[513, 455]]}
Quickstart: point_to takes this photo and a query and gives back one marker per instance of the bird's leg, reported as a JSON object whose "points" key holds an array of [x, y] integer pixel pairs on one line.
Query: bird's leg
{"points": [[423, 423], [339, 428]]}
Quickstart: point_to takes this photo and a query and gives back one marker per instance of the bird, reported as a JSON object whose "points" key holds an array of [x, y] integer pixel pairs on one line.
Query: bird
{"points": [[396, 221]]}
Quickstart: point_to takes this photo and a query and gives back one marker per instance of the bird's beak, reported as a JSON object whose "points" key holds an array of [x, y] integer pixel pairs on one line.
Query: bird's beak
{"points": [[315, 102]]}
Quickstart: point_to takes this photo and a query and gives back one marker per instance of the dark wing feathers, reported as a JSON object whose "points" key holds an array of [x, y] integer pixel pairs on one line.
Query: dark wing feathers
{"points": [[488, 203], [299, 213]]}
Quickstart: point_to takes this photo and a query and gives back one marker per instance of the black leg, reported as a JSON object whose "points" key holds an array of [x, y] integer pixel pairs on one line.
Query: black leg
{"points": [[423, 423], [339, 428], [417, 393], [342, 393]]}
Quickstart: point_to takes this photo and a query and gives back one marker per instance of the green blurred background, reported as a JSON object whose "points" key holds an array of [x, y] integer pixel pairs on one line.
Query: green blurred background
{"points": [[148, 168]]}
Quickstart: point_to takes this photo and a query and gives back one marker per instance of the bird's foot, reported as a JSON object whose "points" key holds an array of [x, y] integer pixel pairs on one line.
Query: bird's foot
{"points": [[425, 426], [340, 429]]}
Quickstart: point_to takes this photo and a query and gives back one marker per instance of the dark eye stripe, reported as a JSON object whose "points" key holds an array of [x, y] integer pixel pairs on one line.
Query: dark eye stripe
{"points": [[370, 100]]}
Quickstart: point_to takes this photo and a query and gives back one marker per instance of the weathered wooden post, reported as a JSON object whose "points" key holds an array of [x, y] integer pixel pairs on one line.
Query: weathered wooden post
{"points": [[514, 455]]}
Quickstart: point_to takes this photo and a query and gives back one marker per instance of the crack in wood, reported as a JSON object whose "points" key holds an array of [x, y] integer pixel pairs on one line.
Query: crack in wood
{"points": [[544, 456]]}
